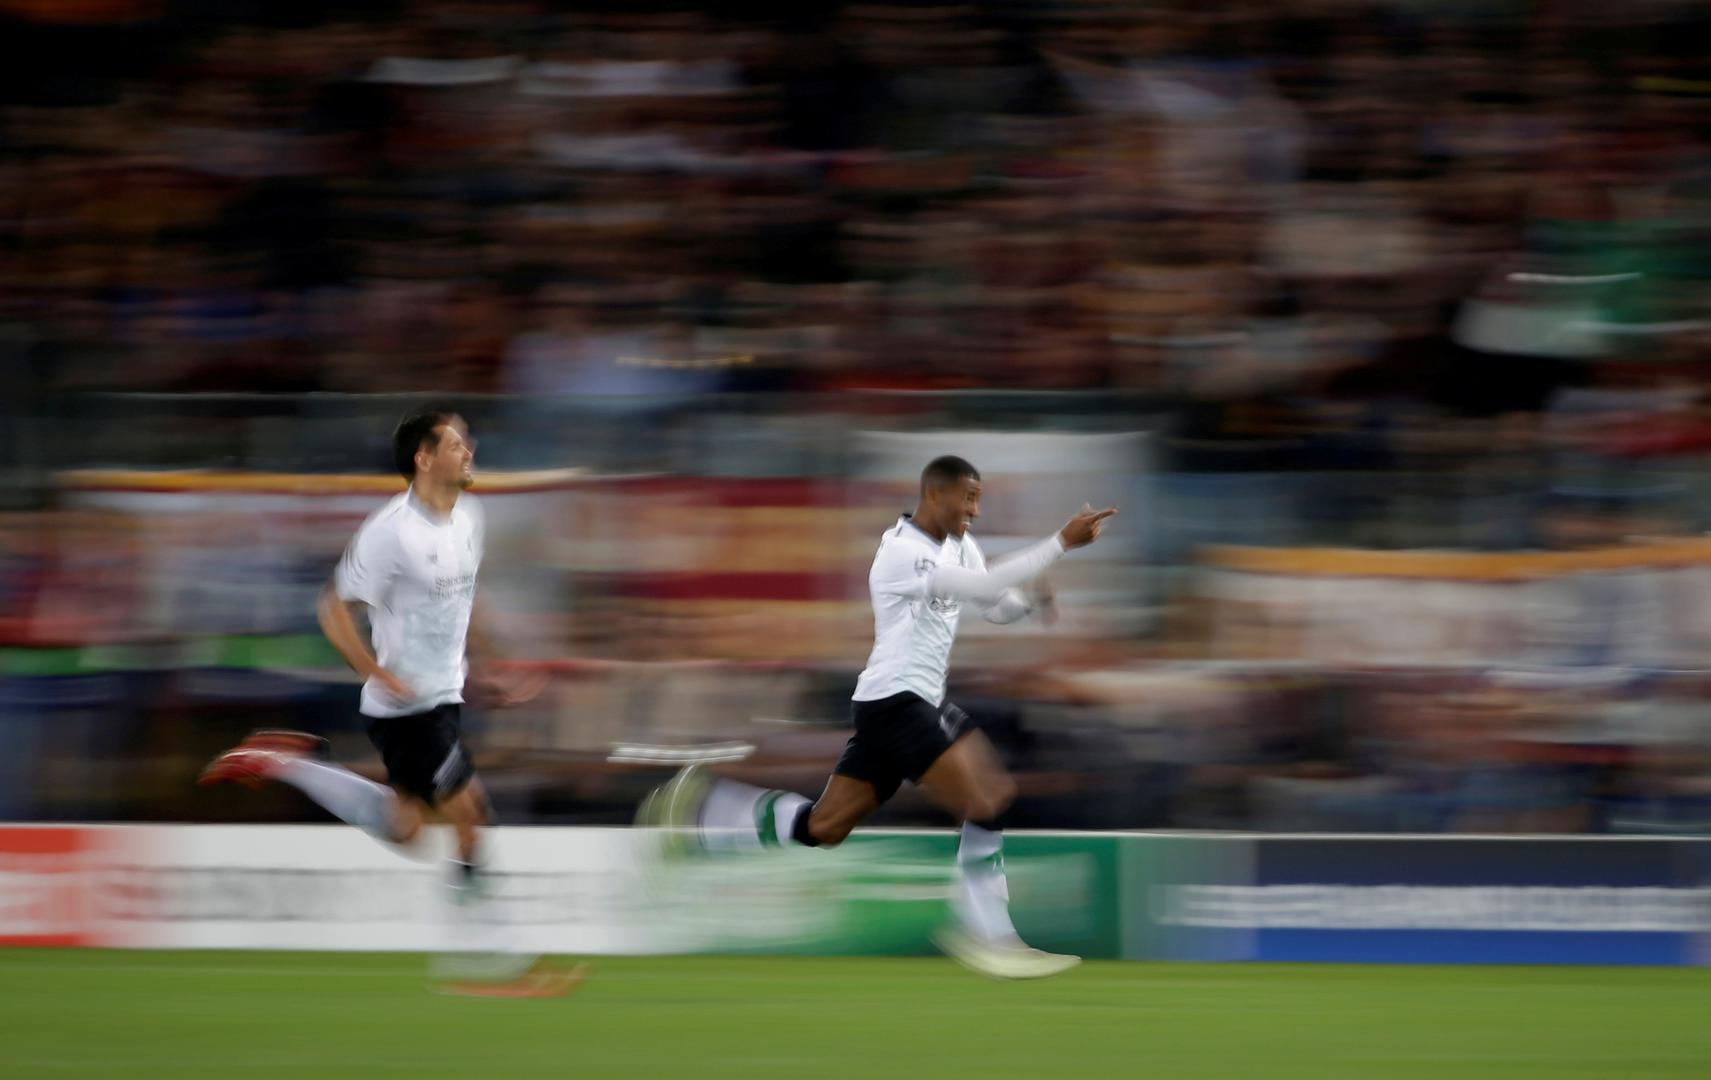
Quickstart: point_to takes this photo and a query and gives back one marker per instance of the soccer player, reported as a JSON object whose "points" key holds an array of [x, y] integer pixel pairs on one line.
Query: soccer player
{"points": [[927, 568], [413, 565]]}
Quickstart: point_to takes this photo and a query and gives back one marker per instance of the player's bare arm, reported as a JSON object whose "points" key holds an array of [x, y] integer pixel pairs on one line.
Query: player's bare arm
{"points": [[338, 622]]}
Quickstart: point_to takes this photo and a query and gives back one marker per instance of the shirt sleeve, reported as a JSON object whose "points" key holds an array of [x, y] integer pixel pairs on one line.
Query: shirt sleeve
{"points": [[368, 566], [1011, 605], [904, 570], [988, 586], [900, 568]]}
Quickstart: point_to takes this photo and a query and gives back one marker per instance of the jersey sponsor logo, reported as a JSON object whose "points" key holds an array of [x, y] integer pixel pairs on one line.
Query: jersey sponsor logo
{"points": [[453, 585], [940, 605]]}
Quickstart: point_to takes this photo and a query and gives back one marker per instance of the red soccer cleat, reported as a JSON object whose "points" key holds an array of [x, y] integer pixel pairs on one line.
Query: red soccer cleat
{"points": [[542, 980], [292, 742], [252, 761]]}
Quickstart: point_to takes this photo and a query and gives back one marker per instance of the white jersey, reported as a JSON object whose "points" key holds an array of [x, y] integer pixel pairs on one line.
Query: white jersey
{"points": [[918, 586], [416, 572]]}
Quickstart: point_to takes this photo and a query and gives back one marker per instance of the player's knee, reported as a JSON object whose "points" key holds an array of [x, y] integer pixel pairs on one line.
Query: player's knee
{"points": [[406, 824], [465, 809], [993, 799], [480, 814]]}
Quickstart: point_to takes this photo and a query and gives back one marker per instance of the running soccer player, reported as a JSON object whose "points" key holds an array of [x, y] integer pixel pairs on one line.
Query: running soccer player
{"points": [[413, 565], [927, 568]]}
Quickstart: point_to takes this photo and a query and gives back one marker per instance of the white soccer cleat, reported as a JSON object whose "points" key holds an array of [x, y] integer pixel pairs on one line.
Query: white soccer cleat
{"points": [[1003, 958], [675, 810]]}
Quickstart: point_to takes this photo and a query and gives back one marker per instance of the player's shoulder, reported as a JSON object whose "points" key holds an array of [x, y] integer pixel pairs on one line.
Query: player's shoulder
{"points": [[387, 517], [471, 508], [384, 521], [905, 535]]}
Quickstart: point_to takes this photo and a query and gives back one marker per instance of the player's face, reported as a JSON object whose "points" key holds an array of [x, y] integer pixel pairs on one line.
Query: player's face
{"points": [[962, 505], [454, 458]]}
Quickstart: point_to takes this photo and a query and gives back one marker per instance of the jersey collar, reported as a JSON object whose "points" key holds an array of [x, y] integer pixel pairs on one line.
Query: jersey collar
{"points": [[909, 520], [424, 509]]}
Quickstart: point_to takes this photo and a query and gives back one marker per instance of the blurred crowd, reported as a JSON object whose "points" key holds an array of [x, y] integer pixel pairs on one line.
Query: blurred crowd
{"points": [[1217, 200], [1378, 274]]}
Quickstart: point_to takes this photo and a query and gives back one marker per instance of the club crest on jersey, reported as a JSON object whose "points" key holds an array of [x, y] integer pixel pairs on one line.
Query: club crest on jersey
{"points": [[924, 566]]}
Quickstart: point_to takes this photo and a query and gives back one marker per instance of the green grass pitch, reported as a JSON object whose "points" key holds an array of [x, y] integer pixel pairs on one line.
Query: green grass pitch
{"points": [[186, 1014]]}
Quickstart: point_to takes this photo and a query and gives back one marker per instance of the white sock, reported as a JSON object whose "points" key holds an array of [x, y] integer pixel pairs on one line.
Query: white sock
{"points": [[982, 901], [781, 812], [736, 815], [344, 794]]}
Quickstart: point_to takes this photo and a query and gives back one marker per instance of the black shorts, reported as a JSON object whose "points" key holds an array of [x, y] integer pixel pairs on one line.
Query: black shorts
{"points": [[423, 753], [898, 738]]}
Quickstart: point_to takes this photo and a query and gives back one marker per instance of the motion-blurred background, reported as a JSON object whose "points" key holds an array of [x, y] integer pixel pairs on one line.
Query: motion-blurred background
{"points": [[1386, 323]]}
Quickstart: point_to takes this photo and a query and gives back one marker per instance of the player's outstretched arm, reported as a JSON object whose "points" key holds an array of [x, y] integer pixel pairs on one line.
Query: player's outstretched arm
{"points": [[1010, 606], [988, 586], [1036, 599]]}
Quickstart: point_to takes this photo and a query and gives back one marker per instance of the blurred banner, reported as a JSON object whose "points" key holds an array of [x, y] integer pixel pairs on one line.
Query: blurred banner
{"points": [[750, 568], [1638, 605], [1110, 895], [206, 552], [553, 890], [1424, 900]]}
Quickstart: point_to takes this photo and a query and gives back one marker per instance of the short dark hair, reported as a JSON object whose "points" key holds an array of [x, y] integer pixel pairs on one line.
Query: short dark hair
{"points": [[946, 470], [413, 431]]}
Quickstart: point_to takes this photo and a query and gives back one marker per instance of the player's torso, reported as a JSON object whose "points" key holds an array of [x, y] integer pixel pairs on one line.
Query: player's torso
{"points": [[929, 621], [936, 617], [433, 593], [913, 630], [439, 562]]}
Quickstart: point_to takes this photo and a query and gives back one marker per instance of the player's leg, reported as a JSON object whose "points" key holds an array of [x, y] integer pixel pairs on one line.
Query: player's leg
{"points": [[863, 779], [723, 814], [846, 803], [409, 814], [468, 812], [728, 815], [293, 758], [488, 959], [967, 780], [970, 782], [426, 758]]}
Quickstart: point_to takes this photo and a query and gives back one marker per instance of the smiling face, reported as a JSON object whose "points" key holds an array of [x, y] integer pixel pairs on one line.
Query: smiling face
{"points": [[450, 463], [955, 505]]}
